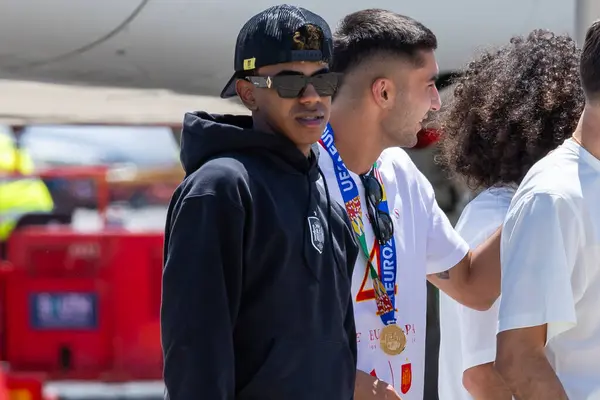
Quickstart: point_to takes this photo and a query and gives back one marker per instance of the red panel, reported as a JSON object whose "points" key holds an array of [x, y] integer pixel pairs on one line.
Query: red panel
{"points": [[96, 296], [137, 339]]}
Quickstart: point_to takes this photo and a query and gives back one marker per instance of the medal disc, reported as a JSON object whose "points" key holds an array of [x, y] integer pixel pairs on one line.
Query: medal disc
{"points": [[392, 340]]}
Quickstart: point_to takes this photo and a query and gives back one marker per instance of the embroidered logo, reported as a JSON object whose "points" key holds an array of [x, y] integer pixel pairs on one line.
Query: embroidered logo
{"points": [[317, 236]]}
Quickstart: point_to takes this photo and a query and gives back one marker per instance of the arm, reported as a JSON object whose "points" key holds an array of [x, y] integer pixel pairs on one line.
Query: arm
{"points": [[201, 297], [483, 382], [539, 249], [475, 280], [449, 261], [523, 364]]}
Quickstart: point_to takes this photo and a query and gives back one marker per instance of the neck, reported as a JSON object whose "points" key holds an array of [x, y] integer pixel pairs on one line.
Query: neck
{"points": [[588, 130], [354, 138], [261, 125]]}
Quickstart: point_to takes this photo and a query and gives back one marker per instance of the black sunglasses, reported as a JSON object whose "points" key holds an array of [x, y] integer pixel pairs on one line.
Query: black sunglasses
{"points": [[383, 227], [292, 86]]}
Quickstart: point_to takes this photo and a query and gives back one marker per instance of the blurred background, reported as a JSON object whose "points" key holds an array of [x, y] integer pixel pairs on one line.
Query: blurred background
{"points": [[92, 96]]}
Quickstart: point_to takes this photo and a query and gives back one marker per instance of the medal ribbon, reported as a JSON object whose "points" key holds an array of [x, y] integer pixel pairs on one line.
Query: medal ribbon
{"points": [[383, 287]]}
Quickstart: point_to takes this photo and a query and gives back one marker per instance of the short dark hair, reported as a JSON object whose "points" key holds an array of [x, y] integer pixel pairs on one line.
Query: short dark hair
{"points": [[590, 62], [367, 33], [510, 108]]}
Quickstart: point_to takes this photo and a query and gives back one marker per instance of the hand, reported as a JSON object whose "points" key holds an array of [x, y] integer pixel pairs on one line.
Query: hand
{"points": [[368, 387]]}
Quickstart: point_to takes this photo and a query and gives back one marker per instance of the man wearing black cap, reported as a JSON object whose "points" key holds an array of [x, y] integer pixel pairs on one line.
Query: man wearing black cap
{"points": [[256, 284]]}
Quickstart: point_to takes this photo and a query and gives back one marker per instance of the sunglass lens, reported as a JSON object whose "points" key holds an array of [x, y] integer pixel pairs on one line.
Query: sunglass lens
{"points": [[373, 190], [326, 84], [289, 86], [386, 226]]}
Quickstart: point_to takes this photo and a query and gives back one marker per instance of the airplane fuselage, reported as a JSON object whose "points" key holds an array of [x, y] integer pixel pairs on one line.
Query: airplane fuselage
{"points": [[187, 46]]}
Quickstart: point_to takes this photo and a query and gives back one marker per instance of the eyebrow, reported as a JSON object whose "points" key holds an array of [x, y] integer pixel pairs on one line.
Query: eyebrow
{"points": [[287, 72], [435, 77]]}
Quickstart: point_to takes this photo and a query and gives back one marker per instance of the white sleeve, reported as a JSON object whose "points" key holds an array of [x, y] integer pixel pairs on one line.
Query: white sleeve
{"points": [[445, 247], [479, 328], [539, 245], [478, 336]]}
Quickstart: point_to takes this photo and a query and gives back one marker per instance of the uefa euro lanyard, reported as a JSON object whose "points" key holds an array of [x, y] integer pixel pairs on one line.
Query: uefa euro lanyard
{"points": [[394, 340]]}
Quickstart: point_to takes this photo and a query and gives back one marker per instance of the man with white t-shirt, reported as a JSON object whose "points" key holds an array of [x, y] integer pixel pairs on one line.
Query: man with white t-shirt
{"points": [[489, 151], [549, 323], [388, 88]]}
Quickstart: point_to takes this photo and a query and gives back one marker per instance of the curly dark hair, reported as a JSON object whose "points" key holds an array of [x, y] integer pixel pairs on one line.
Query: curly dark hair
{"points": [[510, 108]]}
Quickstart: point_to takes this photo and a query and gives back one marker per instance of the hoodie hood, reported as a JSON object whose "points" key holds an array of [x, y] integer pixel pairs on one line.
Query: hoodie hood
{"points": [[206, 136]]}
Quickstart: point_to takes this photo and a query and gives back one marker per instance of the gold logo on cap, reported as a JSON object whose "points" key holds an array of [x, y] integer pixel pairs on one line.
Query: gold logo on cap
{"points": [[308, 37], [249, 63]]}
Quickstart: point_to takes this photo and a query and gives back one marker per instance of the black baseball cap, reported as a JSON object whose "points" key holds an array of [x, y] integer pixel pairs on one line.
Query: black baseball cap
{"points": [[268, 39]]}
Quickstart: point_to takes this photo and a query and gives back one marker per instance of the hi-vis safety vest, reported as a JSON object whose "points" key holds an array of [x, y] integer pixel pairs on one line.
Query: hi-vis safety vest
{"points": [[18, 194]]}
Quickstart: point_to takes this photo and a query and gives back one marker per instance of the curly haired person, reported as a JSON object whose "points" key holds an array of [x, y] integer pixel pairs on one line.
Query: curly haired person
{"points": [[511, 107]]}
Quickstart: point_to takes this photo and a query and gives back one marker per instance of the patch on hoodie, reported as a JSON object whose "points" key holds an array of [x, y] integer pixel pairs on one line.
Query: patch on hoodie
{"points": [[317, 236]]}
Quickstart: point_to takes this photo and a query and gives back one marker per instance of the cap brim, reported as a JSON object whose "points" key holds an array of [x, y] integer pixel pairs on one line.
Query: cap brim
{"points": [[229, 90]]}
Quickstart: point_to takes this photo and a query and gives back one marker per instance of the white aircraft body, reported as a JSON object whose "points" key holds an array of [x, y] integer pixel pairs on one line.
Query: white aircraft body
{"points": [[187, 45]]}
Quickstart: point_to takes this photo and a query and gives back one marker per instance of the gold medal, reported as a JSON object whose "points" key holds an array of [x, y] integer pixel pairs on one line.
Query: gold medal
{"points": [[392, 340]]}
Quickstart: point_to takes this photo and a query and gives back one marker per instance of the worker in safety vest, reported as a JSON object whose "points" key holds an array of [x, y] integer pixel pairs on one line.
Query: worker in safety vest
{"points": [[20, 192]]}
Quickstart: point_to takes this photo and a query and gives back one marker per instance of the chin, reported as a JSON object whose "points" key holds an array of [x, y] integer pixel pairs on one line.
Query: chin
{"points": [[314, 132], [306, 136], [406, 140], [312, 139]]}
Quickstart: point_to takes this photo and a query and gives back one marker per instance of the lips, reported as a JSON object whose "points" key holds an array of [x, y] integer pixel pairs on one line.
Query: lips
{"points": [[311, 115], [315, 118], [312, 119]]}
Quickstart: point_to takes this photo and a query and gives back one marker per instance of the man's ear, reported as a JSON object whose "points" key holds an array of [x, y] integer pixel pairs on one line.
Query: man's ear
{"points": [[383, 92], [245, 91]]}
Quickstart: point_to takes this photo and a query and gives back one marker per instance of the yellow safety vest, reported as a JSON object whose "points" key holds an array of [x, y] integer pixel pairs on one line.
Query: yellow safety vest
{"points": [[19, 194]]}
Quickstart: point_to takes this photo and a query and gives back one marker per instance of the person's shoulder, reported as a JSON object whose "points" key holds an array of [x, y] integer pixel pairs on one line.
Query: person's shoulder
{"points": [[495, 198], [396, 164], [219, 176], [398, 158], [556, 176], [539, 199], [484, 214]]}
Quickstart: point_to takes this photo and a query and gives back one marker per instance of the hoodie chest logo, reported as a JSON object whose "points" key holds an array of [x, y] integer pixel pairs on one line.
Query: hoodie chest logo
{"points": [[317, 235]]}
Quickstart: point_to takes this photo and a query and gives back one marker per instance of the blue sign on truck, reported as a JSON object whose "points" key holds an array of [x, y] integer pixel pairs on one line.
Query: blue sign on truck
{"points": [[63, 310]]}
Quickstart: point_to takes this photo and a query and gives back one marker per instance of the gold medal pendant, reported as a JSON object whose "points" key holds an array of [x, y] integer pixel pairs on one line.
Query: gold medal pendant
{"points": [[392, 340]]}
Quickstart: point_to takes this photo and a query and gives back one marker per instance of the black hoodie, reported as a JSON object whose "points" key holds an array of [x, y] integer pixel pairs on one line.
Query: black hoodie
{"points": [[256, 285]]}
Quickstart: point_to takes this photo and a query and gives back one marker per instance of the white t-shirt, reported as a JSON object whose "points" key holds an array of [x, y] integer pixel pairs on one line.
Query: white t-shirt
{"points": [[550, 253], [426, 244], [468, 337]]}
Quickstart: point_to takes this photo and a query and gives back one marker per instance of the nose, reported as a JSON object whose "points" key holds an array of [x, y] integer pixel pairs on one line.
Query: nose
{"points": [[309, 95], [436, 101]]}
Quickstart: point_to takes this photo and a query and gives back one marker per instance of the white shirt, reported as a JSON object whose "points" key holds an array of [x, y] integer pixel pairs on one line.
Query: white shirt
{"points": [[550, 255], [425, 244], [468, 337]]}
